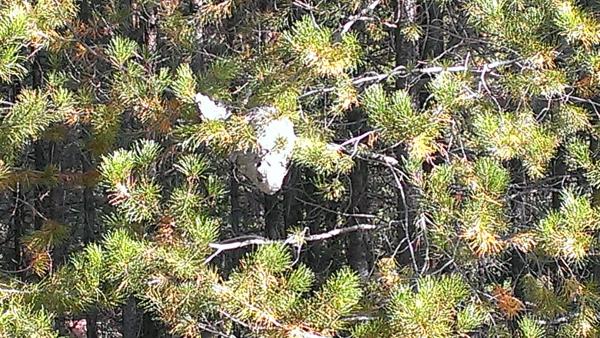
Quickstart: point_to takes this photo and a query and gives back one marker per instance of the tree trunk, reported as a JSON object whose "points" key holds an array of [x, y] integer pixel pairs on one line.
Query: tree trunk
{"points": [[356, 244], [406, 51], [16, 224], [234, 201], [89, 235], [273, 216], [292, 207], [91, 320], [17, 230], [150, 328], [406, 54], [559, 169], [131, 320]]}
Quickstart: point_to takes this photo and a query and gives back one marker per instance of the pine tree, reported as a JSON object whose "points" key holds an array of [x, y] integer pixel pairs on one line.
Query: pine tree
{"points": [[299, 169]]}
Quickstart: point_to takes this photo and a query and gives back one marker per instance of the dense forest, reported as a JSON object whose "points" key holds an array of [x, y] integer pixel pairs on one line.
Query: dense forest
{"points": [[300, 169]]}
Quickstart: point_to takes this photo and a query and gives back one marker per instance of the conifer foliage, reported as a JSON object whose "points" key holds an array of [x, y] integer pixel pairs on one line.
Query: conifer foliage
{"points": [[300, 169]]}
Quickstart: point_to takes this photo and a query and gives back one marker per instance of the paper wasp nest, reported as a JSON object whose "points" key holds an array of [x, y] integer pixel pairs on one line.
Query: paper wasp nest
{"points": [[267, 166], [209, 109]]}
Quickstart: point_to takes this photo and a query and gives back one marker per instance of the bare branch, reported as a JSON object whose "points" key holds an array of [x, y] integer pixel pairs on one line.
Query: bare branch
{"points": [[237, 245], [12, 291], [359, 16], [294, 239], [341, 231], [404, 71]]}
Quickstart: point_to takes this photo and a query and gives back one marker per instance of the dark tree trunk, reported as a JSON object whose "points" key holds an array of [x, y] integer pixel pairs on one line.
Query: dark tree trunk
{"points": [[559, 169], [293, 209], [56, 210], [406, 54], [16, 225], [131, 319], [356, 244], [406, 51], [89, 203], [273, 216], [40, 163], [517, 261], [17, 230], [595, 261], [150, 328], [434, 43], [89, 235], [234, 201], [91, 319]]}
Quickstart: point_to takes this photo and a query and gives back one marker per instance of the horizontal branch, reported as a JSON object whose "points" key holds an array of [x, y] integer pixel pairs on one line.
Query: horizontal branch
{"points": [[237, 245], [337, 232], [404, 71], [12, 291], [294, 239]]}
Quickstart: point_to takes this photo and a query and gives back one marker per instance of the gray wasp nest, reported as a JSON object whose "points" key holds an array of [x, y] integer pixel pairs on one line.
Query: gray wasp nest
{"points": [[266, 166], [209, 109]]}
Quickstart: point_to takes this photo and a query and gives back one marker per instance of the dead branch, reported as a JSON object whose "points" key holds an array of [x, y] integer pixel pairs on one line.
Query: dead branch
{"points": [[294, 239]]}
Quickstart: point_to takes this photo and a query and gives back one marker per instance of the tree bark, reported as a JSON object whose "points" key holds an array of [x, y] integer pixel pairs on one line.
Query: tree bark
{"points": [[559, 169], [89, 235], [293, 208], [273, 216], [17, 230], [356, 244], [150, 328], [234, 202], [131, 319], [406, 51], [406, 54]]}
